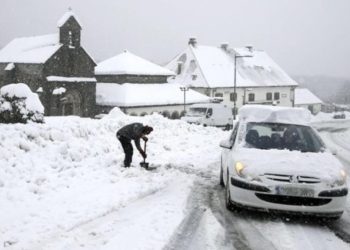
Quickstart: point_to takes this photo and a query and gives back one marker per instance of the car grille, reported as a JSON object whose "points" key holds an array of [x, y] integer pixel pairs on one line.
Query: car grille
{"points": [[293, 200], [292, 178]]}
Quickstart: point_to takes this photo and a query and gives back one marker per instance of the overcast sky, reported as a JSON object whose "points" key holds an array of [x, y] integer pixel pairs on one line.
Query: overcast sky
{"points": [[305, 37]]}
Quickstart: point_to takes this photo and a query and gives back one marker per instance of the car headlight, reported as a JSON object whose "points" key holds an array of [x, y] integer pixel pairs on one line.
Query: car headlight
{"points": [[239, 167], [342, 178]]}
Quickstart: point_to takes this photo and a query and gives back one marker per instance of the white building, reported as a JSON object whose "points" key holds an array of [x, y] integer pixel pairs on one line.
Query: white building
{"points": [[139, 87], [306, 99], [210, 71], [145, 99]]}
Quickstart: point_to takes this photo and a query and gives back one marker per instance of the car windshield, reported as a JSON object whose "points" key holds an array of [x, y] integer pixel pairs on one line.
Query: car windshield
{"points": [[283, 136], [197, 112]]}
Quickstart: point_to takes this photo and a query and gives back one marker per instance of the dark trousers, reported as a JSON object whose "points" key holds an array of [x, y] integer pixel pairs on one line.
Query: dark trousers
{"points": [[128, 149]]}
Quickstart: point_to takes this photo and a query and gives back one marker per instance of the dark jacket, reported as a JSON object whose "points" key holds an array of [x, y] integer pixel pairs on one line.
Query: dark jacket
{"points": [[132, 131]]}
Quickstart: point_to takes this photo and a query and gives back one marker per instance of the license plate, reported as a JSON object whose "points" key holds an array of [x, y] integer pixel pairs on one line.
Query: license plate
{"points": [[295, 191]]}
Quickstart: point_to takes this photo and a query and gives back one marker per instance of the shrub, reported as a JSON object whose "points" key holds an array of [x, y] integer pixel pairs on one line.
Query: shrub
{"points": [[19, 105]]}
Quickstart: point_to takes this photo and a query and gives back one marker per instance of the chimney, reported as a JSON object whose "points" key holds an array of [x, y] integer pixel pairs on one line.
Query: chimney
{"points": [[250, 48], [192, 41], [224, 46]]}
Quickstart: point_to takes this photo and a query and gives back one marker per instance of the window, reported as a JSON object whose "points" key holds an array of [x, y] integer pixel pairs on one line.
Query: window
{"points": [[282, 136], [276, 96], [269, 96], [194, 77], [251, 97], [219, 95], [233, 97], [209, 113]]}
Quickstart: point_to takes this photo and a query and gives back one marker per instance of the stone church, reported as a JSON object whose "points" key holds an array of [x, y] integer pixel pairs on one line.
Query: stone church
{"points": [[56, 67]]}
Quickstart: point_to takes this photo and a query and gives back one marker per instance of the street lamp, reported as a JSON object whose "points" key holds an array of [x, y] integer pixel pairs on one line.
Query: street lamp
{"points": [[235, 83], [184, 89]]}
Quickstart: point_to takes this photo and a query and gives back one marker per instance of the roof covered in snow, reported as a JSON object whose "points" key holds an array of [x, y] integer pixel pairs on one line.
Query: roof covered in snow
{"points": [[66, 17], [266, 113], [36, 49], [305, 96], [70, 79], [127, 63], [134, 95], [213, 67]]}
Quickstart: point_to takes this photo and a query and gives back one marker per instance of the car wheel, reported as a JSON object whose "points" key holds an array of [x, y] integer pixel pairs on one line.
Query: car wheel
{"points": [[229, 205], [221, 175]]}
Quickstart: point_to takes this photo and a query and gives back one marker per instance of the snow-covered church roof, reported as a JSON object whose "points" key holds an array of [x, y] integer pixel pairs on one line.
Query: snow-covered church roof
{"points": [[213, 67], [136, 95], [36, 49], [305, 96], [66, 17], [127, 63]]}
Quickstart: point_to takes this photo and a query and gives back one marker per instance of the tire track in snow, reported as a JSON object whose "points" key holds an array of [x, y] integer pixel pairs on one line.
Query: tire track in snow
{"points": [[207, 193], [201, 199]]}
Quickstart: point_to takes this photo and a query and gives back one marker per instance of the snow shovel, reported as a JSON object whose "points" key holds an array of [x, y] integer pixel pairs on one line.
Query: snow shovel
{"points": [[144, 164]]}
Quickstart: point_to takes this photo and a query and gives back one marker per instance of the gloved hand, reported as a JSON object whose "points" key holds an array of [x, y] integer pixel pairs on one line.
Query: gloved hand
{"points": [[144, 155], [145, 138]]}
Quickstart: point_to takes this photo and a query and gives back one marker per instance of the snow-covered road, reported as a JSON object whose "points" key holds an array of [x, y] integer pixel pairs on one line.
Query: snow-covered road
{"points": [[62, 187]]}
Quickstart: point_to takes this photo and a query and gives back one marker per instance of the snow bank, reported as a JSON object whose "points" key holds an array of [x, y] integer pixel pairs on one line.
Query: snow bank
{"points": [[61, 181]]}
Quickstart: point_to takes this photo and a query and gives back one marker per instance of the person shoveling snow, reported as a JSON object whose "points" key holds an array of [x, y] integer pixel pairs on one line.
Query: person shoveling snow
{"points": [[133, 131]]}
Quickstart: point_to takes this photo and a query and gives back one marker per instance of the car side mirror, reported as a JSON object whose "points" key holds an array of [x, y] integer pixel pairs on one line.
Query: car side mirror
{"points": [[226, 144]]}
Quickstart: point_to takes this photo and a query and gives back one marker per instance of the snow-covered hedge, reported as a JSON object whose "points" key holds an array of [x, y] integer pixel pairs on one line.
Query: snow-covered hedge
{"points": [[18, 104]]}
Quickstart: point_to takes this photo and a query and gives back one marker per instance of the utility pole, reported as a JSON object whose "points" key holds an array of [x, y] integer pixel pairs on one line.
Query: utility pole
{"points": [[184, 89], [235, 83]]}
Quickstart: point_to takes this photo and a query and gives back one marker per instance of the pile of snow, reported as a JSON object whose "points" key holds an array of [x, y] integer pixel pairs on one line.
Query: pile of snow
{"points": [[19, 104], [62, 184], [324, 117]]}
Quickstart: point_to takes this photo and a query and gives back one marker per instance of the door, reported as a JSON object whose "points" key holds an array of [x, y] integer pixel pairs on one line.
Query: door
{"points": [[72, 103]]}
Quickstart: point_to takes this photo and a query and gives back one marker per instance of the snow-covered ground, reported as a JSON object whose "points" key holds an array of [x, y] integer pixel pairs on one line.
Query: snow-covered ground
{"points": [[62, 186]]}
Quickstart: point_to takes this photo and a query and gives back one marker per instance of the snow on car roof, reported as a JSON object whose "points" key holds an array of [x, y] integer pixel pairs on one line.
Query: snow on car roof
{"points": [[265, 113]]}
